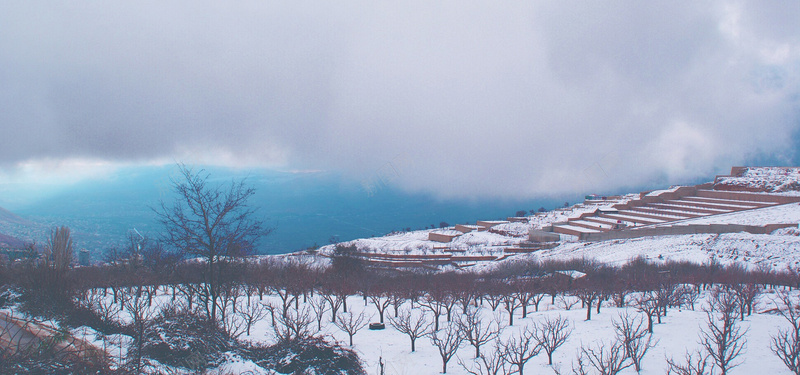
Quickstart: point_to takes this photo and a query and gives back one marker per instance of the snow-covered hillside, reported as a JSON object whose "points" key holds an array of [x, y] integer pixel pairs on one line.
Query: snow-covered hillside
{"points": [[508, 241]]}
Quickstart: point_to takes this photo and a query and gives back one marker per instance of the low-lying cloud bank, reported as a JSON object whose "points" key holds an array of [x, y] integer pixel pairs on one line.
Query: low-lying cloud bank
{"points": [[459, 99]]}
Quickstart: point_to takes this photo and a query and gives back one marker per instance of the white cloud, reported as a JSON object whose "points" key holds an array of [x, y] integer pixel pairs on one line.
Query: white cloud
{"points": [[460, 99]]}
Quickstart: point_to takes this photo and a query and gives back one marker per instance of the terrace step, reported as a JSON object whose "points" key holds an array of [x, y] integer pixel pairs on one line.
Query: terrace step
{"points": [[591, 225], [722, 203], [572, 230], [671, 205], [650, 215], [739, 196], [660, 212], [601, 220], [634, 219]]}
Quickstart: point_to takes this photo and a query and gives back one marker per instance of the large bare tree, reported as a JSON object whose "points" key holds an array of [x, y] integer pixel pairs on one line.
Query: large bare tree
{"points": [[786, 343], [550, 334], [412, 325], [723, 339], [213, 223]]}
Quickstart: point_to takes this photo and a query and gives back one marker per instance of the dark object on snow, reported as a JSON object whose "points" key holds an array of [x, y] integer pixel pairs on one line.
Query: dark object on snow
{"points": [[186, 340], [377, 326], [312, 355]]}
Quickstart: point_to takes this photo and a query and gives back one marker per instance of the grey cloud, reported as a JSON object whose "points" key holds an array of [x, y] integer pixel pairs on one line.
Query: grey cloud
{"points": [[464, 99]]}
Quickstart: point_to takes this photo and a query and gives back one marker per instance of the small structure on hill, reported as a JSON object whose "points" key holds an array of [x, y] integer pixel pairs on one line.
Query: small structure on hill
{"points": [[443, 236], [536, 235]]}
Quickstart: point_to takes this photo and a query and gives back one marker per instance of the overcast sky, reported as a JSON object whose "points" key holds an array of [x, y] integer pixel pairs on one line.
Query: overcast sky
{"points": [[460, 99]]}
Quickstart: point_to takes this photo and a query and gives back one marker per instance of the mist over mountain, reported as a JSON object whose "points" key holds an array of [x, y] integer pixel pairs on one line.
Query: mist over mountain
{"points": [[304, 208]]}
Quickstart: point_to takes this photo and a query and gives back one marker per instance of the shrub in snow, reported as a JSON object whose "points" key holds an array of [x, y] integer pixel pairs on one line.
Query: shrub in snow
{"points": [[306, 356], [184, 339]]}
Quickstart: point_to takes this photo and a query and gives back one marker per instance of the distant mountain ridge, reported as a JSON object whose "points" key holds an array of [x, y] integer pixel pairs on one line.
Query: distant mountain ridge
{"points": [[7, 217], [11, 223]]}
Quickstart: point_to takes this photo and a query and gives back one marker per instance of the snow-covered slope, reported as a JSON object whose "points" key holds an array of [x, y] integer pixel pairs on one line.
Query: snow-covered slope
{"points": [[777, 250]]}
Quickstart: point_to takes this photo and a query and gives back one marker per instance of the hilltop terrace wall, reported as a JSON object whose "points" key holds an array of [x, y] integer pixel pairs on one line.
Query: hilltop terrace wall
{"points": [[683, 229]]}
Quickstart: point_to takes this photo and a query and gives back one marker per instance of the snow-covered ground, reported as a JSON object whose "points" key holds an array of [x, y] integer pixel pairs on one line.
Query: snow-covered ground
{"points": [[677, 334], [785, 213], [778, 250], [771, 179]]}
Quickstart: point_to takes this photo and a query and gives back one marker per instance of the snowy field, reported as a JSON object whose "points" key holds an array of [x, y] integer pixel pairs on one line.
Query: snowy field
{"points": [[677, 334]]}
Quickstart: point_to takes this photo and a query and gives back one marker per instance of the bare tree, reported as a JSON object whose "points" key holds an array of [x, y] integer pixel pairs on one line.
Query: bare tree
{"points": [[551, 334], [477, 331], [520, 349], [786, 343], [511, 302], [413, 327], [605, 359], [381, 302], [722, 338], [294, 325], [588, 294], [691, 365], [351, 323], [320, 305], [141, 314], [567, 302], [748, 296], [252, 312], [335, 301], [635, 338], [647, 303], [447, 340], [491, 363], [213, 223], [435, 306], [688, 295]]}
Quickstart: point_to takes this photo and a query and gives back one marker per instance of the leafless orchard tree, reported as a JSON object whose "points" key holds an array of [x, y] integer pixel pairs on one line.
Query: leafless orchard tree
{"points": [[747, 294], [335, 301], [536, 299], [519, 349], [381, 302], [102, 306], [294, 325], [320, 305], [213, 223], [252, 312], [141, 313], [285, 295], [688, 295], [550, 334], [351, 323], [666, 297], [635, 338], [511, 302], [447, 340], [723, 339], [411, 326], [477, 331], [647, 303], [229, 318], [435, 306], [567, 302], [786, 343], [693, 364], [491, 363], [588, 295], [604, 358]]}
